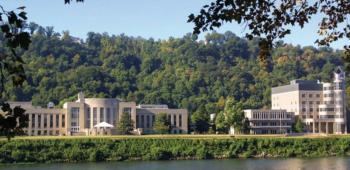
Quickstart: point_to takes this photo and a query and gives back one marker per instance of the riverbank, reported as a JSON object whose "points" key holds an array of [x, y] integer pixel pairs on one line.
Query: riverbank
{"points": [[28, 150]]}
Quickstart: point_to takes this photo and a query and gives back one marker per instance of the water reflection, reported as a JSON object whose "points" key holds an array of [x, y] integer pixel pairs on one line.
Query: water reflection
{"points": [[235, 164]]}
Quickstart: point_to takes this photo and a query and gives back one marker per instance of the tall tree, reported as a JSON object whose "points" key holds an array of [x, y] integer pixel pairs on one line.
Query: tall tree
{"points": [[161, 124], [200, 120], [233, 117], [125, 124]]}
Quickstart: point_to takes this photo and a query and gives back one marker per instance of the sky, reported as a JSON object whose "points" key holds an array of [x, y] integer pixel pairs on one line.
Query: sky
{"points": [[158, 19]]}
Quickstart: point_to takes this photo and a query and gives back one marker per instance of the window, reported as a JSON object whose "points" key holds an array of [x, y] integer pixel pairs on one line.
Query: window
{"points": [[114, 117], [102, 118], [88, 117], [153, 119], [311, 109], [311, 102], [74, 116], [327, 109], [147, 121], [318, 95], [318, 102], [94, 114], [303, 109], [127, 110], [51, 120], [310, 95], [142, 121], [303, 102], [57, 120], [108, 115], [33, 120], [302, 95], [180, 120], [137, 121], [45, 121], [174, 117], [63, 120]]}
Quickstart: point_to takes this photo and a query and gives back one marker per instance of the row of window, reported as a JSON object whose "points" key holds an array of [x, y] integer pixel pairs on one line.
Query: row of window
{"points": [[329, 95], [36, 120], [276, 123], [311, 102], [272, 115], [42, 132], [310, 95], [146, 121]]}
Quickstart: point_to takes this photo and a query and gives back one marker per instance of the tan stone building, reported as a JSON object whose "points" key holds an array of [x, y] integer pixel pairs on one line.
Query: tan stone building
{"points": [[82, 116], [321, 106]]}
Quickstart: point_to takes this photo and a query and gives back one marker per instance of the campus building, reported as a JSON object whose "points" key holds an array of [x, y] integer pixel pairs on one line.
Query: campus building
{"points": [[269, 121], [321, 106], [82, 116]]}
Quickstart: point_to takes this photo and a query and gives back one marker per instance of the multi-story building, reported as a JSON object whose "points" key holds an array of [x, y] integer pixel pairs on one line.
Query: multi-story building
{"points": [[269, 121], [82, 116], [321, 106]]}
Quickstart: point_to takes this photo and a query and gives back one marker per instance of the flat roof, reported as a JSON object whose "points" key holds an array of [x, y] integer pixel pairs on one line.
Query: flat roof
{"points": [[295, 85]]}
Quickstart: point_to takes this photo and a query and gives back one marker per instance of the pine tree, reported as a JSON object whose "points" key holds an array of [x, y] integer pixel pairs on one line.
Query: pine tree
{"points": [[125, 124]]}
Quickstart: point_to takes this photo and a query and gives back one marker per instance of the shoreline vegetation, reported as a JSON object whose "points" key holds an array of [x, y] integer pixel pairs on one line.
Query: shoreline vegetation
{"points": [[169, 147]]}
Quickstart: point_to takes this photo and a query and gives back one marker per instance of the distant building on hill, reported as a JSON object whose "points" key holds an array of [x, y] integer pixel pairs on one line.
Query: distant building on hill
{"points": [[95, 116], [321, 106]]}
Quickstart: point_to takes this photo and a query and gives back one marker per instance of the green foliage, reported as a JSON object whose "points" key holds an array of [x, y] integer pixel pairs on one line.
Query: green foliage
{"points": [[221, 123], [271, 20], [125, 124], [161, 124], [200, 120], [180, 72], [298, 126], [77, 150], [232, 116]]}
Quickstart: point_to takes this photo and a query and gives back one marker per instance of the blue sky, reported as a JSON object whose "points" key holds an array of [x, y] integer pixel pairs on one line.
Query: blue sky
{"points": [[159, 19]]}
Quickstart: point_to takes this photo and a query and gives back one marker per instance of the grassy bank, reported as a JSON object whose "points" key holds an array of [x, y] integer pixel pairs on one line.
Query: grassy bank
{"points": [[155, 148]]}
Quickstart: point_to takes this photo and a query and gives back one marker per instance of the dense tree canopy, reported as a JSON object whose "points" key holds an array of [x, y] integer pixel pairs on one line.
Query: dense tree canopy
{"points": [[271, 20], [181, 72]]}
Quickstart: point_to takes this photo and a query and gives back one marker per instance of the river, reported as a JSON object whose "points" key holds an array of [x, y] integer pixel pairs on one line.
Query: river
{"points": [[337, 163]]}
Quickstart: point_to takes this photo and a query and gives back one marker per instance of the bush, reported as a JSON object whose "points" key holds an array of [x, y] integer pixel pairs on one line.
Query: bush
{"points": [[76, 150]]}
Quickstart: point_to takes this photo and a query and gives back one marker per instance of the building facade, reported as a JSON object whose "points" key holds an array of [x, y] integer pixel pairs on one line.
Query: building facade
{"points": [[81, 117], [269, 121], [321, 106]]}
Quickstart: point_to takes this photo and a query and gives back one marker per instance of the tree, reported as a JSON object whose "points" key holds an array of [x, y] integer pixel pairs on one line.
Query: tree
{"points": [[161, 124], [11, 67], [298, 126], [125, 124], [200, 120], [271, 19], [221, 123], [232, 116], [13, 32]]}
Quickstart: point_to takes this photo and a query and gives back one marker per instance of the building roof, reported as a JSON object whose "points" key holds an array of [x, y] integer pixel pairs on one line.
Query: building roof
{"points": [[296, 85], [152, 106]]}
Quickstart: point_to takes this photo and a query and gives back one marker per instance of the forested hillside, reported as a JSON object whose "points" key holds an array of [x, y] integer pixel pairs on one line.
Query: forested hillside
{"points": [[180, 72]]}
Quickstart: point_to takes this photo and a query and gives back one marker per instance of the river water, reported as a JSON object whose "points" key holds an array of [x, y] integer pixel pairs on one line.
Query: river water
{"points": [[337, 163]]}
